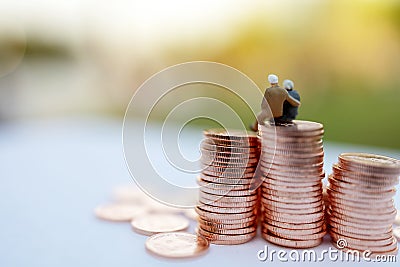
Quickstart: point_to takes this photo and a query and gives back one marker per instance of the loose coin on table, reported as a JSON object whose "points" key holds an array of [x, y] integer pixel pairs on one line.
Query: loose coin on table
{"points": [[177, 245]]}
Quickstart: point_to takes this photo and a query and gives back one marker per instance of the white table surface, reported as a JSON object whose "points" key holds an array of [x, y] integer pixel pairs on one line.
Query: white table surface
{"points": [[55, 172]]}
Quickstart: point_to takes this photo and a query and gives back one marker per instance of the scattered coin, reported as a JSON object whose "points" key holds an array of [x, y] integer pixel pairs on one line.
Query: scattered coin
{"points": [[177, 245], [150, 224]]}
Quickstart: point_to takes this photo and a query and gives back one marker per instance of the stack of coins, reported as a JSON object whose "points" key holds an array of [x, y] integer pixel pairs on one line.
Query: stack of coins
{"points": [[292, 166], [361, 210], [227, 205]]}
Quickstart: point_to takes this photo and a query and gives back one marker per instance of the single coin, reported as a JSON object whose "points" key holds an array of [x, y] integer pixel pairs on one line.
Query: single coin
{"points": [[349, 233], [228, 181], [216, 186], [239, 231], [376, 221], [295, 226], [298, 126], [292, 189], [298, 236], [300, 184], [294, 206], [230, 134], [223, 204], [231, 149], [289, 200], [159, 223], [213, 197], [216, 225], [225, 210], [293, 219], [177, 245], [357, 187], [224, 221], [291, 243], [360, 231], [372, 161], [362, 225], [316, 216], [363, 194], [300, 212], [223, 216], [227, 192], [278, 230], [364, 215], [213, 236], [373, 211], [120, 212]]}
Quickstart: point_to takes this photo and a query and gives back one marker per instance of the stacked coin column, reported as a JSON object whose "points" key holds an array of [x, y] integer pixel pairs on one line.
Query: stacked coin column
{"points": [[227, 206], [292, 165], [361, 210]]}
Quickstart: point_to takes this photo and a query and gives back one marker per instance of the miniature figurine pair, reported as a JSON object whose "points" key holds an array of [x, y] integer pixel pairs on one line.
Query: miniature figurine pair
{"points": [[282, 103]]}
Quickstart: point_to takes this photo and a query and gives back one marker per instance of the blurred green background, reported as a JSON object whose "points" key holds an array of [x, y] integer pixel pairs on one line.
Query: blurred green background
{"points": [[78, 58]]}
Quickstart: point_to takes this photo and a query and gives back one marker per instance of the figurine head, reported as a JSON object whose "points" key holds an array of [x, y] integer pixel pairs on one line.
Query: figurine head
{"points": [[288, 84], [273, 79]]}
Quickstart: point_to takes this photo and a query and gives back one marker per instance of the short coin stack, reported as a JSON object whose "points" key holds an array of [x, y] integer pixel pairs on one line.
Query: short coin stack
{"points": [[227, 204], [291, 196], [361, 210]]}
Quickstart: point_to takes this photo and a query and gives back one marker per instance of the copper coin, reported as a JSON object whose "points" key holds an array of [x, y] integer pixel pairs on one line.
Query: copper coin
{"points": [[371, 210], [212, 197], [230, 134], [298, 236], [225, 210], [295, 206], [227, 192], [387, 195], [299, 179], [228, 181], [374, 249], [274, 208], [367, 176], [364, 215], [220, 220], [213, 225], [223, 216], [377, 237], [120, 212], [291, 243], [214, 237], [293, 188], [357, 187], [239, 231], [293, 219], [150, 224], [216, 186], [346, 196], [295, 226], [278, 230], [362, 225], [222, 204], [362, 242], [232, 149], [289, 200], [360, 231], [361, 205], [298, 126], [177, 245], [290, 139], [215, 154], [371, 161], [291, 194], [376, 221], [301, 184]]}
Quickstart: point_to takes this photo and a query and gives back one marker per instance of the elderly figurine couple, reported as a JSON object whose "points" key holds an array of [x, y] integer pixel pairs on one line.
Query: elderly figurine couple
{"points": [[282, 103]]}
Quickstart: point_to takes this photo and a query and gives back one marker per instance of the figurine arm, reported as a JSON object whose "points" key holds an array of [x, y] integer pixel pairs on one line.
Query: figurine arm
{"points": [[292, 101]]}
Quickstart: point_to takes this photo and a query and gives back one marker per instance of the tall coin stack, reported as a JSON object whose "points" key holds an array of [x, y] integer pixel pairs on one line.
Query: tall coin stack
{"points": [[361, 210], [291, 196], [227, 205]]}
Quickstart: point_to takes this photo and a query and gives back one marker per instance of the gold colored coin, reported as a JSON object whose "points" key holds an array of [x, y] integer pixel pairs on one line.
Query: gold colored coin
{"points": [[177, 245]]}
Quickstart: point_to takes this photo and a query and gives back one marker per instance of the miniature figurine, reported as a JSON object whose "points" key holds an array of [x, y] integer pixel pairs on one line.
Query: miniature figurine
{"points": [[274, 97], [289, 111]]}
